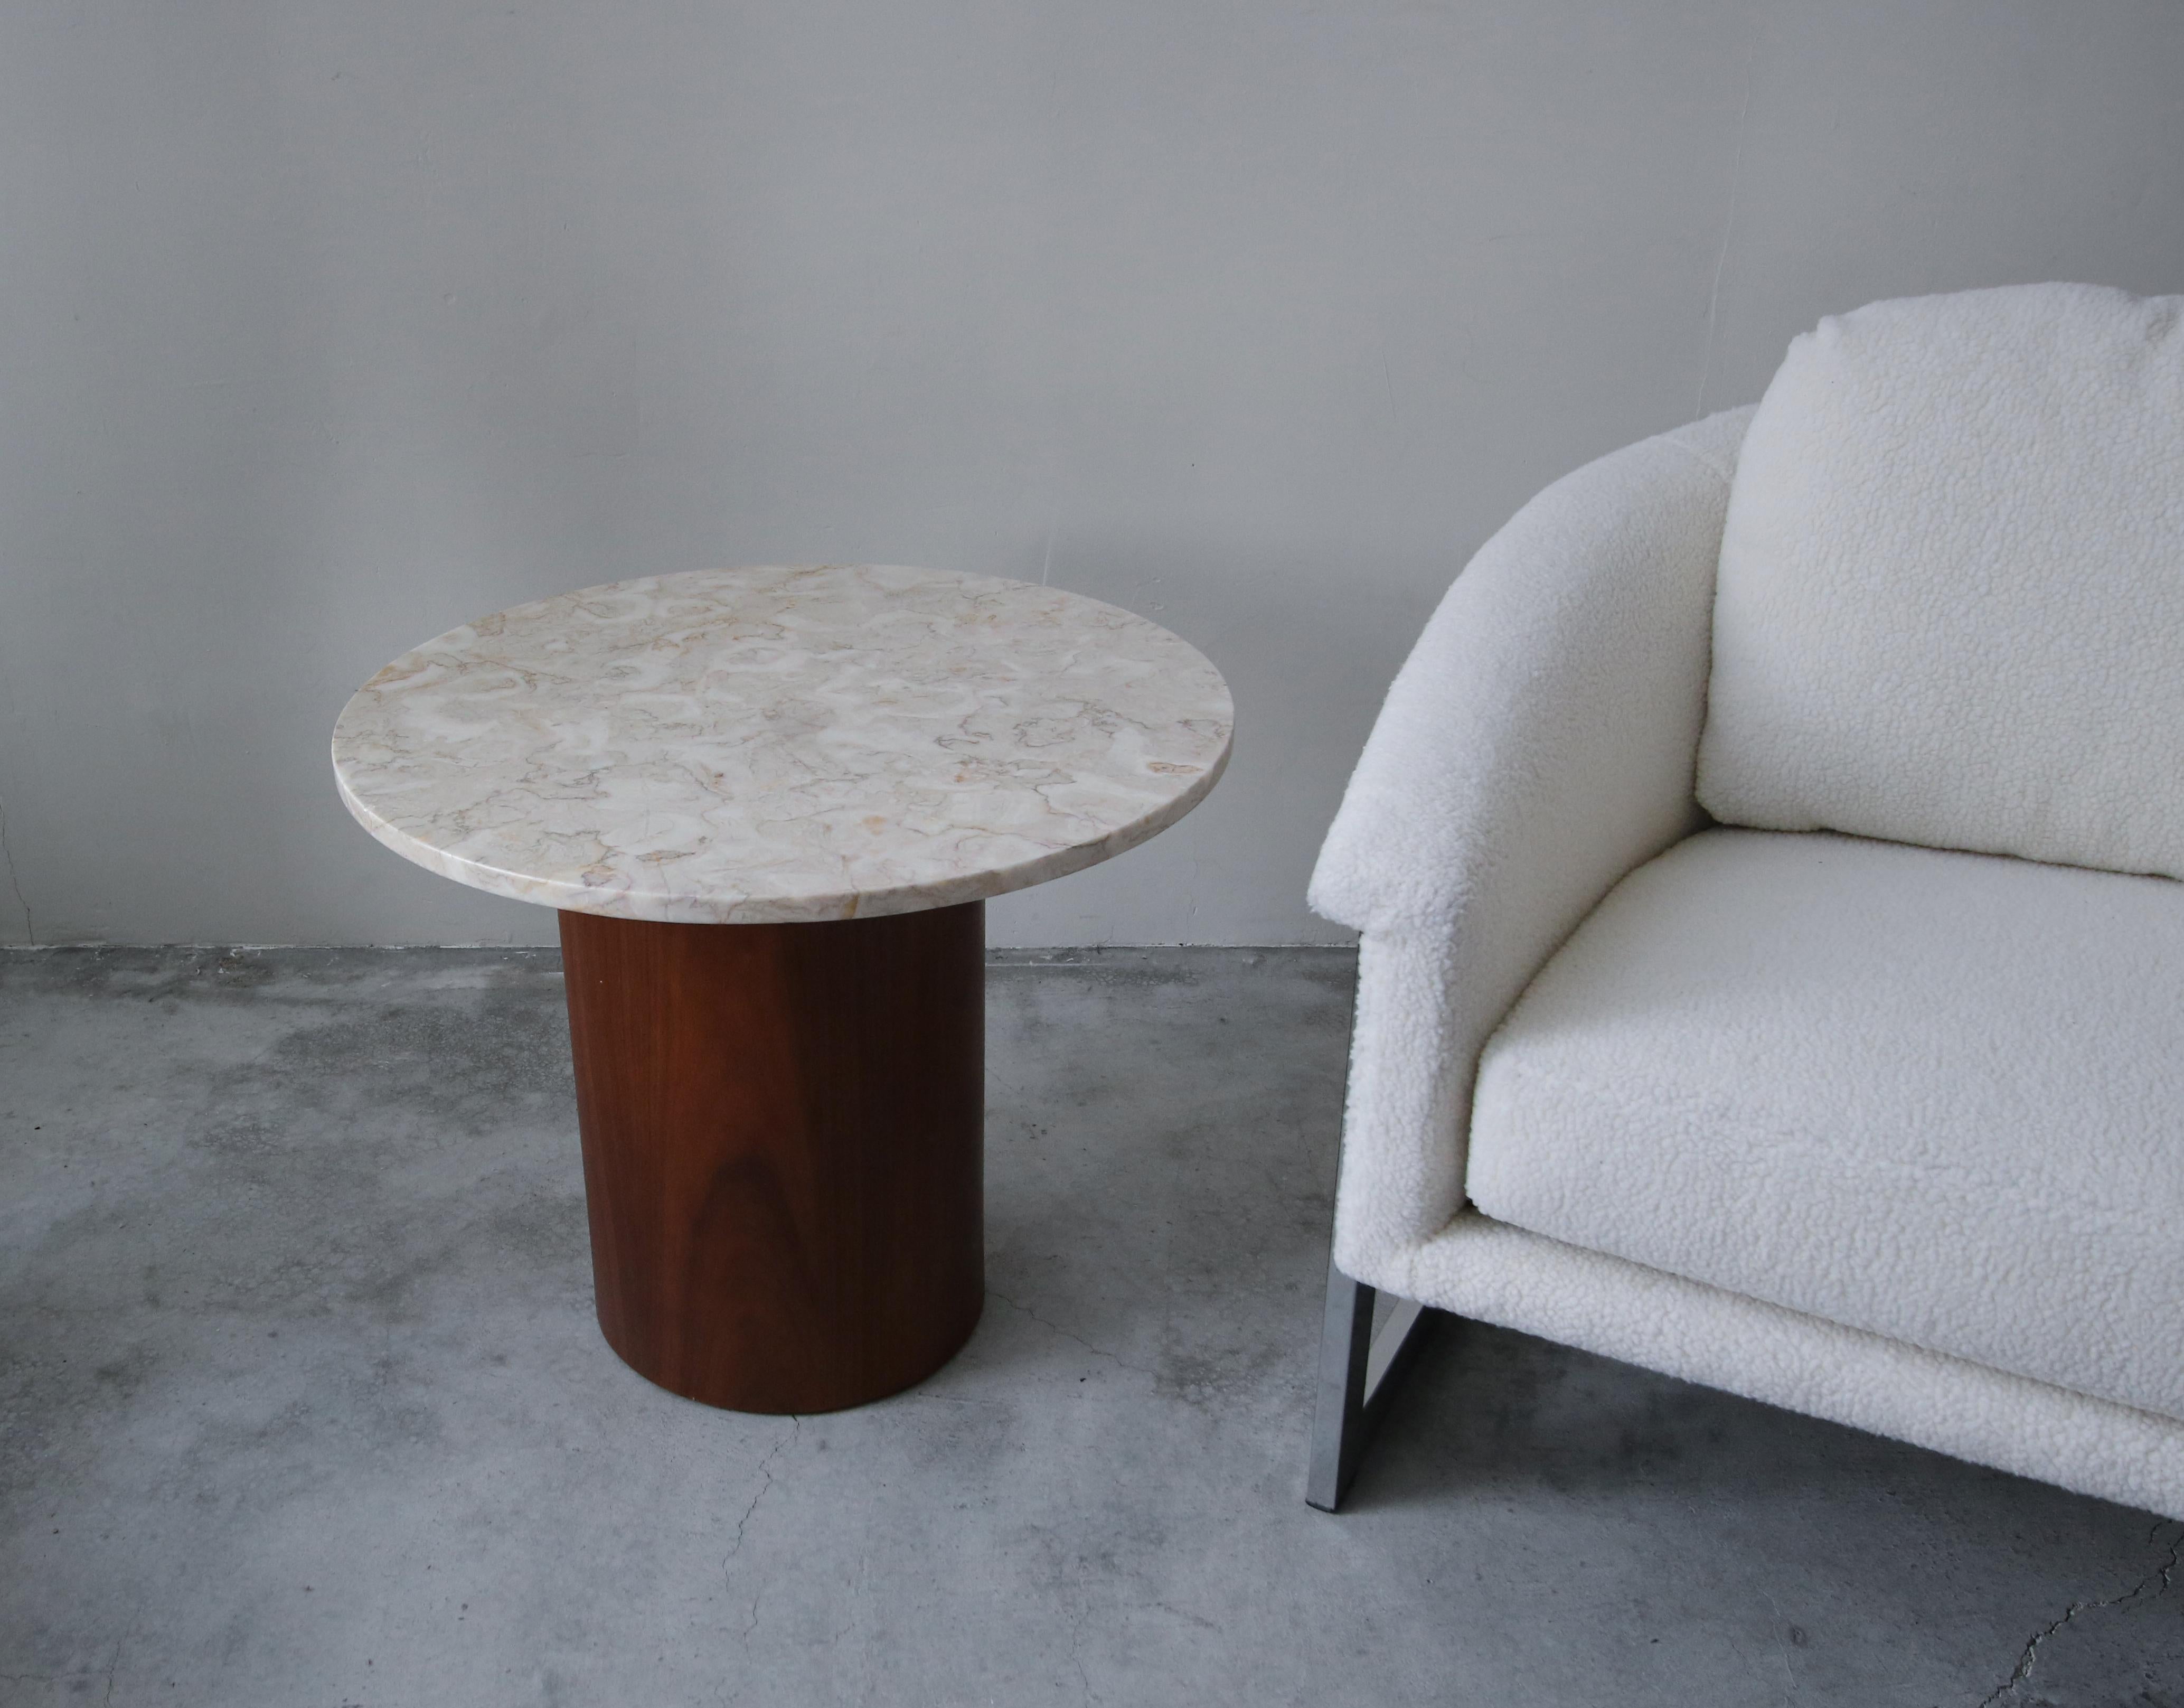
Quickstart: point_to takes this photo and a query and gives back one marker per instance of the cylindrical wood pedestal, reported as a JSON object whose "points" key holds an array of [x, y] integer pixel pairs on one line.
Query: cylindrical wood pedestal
{"points": [[783, 1130]]}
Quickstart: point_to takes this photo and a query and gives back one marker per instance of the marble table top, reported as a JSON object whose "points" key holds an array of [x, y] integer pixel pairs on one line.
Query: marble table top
{"points": [[747, 746]]}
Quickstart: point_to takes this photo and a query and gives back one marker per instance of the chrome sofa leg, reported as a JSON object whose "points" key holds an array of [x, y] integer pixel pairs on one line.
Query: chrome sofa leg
{"points": [[1358, 1371]]}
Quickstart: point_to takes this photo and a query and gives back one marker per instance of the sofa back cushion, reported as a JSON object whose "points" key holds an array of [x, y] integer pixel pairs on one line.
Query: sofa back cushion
{"points": [[1950, 608]]}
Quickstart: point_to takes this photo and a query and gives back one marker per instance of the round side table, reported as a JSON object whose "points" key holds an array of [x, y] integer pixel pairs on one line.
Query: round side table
{"points": [[770, 805]]}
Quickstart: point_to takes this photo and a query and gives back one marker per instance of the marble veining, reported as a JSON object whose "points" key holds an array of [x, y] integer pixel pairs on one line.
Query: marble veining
{"points": [[750, 746]]}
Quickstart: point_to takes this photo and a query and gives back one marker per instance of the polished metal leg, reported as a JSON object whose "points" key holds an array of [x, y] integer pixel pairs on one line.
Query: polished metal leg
{"points": [[1359, 1369]]}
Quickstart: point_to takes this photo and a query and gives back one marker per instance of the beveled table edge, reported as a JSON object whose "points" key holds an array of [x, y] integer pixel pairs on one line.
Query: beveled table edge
{"points": [[666, 907]]}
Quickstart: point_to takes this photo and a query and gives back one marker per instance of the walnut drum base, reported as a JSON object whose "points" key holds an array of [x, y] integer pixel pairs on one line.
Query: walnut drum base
{"points": [[782, 1130]]}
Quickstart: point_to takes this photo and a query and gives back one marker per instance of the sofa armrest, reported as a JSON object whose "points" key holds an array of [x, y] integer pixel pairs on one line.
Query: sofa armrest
{"points": [[1537, 746]]}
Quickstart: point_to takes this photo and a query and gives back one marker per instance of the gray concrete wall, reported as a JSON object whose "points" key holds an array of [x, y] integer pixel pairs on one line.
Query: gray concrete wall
{"points": [[324, 328]]}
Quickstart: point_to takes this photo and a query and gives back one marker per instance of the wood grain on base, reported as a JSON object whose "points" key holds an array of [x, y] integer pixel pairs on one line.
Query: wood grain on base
{"points": [[783, 1135]]}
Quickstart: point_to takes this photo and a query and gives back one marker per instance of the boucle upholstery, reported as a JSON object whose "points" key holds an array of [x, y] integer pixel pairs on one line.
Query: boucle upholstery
{"points": [[1951, 588], [1491, 1272], [1535, 747], [1937, 1095], [1538, 746]]}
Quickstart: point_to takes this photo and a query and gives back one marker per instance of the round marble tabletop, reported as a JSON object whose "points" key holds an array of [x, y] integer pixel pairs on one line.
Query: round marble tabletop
{"points": [[756, 745]]}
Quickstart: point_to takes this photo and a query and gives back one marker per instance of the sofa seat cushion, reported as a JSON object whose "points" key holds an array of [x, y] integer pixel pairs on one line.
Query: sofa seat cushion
{"points": [[1937, 1095]]}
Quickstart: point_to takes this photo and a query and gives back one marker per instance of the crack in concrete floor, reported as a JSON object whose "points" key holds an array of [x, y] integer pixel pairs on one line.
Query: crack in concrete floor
{"points": [[2159, 1580]]}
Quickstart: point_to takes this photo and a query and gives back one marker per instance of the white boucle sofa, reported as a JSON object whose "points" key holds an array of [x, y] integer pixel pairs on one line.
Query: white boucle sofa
{"points": [[1771, 959]]}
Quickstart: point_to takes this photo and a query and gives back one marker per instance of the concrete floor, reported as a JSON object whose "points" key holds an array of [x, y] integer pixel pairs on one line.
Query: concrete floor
{"points": [[304, 1405]]}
